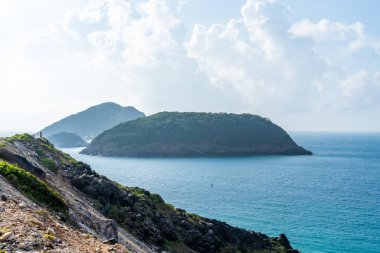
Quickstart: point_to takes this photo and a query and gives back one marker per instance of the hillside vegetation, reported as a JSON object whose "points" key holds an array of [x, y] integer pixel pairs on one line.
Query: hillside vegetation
{"points": [[92, 198], [32, 187], [195, 134]]}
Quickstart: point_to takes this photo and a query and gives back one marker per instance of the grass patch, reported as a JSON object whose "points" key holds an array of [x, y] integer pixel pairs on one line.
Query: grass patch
{"points": [[4, 230], [138, 191], [177, 246], [32, 187], [49, 237], [67, 159], [40, 153], [20, 137], [50, 164], [2, 144]]}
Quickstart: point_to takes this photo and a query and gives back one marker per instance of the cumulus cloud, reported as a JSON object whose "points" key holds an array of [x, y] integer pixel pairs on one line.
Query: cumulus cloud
{"points": [[361, 89], [259, 59], [325, 30], [135, 52], [141, 53], [273, 64], [130, 33]]}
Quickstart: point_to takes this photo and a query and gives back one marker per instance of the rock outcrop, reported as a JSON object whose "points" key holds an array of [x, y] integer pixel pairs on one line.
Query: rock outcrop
{"points": [[81, 212], [27, 227]]}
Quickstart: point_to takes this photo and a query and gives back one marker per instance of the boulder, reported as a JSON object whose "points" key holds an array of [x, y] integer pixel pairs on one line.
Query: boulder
{"points": [[109, 230]]}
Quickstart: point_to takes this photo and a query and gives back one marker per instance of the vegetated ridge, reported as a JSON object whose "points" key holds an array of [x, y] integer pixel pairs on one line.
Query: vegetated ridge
{"points": [[67, 140], [94, 120], [195, 134]]}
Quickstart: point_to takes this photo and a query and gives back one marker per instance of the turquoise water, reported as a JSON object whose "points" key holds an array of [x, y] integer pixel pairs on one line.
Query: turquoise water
{"points": [[329, 202]]}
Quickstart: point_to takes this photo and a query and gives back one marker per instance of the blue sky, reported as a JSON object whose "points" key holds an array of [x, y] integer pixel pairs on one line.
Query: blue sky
{"points": [[309, 65]]}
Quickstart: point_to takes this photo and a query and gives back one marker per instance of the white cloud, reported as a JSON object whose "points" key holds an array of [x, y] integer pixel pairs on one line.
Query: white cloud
{"points": [[327, 30], [376, 46], [272, 65], [259, 59], [361, 90], [354, 83], [136, 34], [140, 53], [327, 36]]}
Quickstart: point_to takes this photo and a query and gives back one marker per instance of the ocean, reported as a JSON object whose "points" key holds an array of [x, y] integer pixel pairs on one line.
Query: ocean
{"points": [[328, 202]]}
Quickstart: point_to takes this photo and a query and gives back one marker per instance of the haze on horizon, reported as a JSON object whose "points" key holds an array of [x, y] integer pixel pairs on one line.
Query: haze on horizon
{"points": [[307, 65]]}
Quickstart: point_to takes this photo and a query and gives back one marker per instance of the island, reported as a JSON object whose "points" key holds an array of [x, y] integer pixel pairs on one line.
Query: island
{"points": [[94, 120], [67, 140], [195, 134]]}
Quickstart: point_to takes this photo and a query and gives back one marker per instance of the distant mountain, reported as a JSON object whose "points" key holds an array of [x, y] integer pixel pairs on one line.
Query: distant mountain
{"points": [[94, 120], [195, 134], [67, 140]]}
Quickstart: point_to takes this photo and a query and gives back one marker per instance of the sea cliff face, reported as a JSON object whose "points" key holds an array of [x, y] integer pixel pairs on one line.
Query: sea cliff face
{"points": [[195, 134], [137, 219]]}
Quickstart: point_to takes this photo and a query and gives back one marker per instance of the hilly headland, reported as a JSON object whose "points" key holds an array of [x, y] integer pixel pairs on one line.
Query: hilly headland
{"points": [[94, 120], [195, 134]]}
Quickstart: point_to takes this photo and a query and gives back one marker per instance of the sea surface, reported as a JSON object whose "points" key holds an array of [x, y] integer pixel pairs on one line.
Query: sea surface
{"points": [[328, 202]]}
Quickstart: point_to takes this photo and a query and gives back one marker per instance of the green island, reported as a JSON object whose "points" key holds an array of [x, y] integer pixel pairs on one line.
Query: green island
{"points": [[67, 140], [195, 134]]}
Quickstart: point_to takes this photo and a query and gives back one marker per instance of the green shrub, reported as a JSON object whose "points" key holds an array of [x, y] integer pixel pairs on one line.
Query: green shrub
{"points": [[32, 187], [49, 237], [40, 153], [49, 164], [4, 230], [21, 137]]}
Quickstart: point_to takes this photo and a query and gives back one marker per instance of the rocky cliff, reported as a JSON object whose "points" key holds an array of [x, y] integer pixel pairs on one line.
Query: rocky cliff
{"points": [[136, 219]]}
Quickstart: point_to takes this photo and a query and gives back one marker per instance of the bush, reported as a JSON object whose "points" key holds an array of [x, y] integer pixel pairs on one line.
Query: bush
{"points": [[32, 187], [49, 164], [21, 137]]}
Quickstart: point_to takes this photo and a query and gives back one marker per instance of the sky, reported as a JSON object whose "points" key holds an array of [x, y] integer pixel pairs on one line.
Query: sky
{"points": [[308, 65]]}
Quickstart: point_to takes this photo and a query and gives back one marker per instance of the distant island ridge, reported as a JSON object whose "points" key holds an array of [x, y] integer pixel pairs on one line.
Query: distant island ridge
{"points": [[67, 140], [94, 120], [195, 134]]}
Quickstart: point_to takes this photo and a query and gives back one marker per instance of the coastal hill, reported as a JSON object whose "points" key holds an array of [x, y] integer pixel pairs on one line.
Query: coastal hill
{"points": [[67, 140], [94, 120], [47, 191], [195, 134]]}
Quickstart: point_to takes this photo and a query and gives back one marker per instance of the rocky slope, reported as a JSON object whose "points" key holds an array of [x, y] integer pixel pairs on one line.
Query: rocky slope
{"points": [[195, 134], [136, 219], [51, 166], [26, 227], [94, 120], [67, 140]]}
